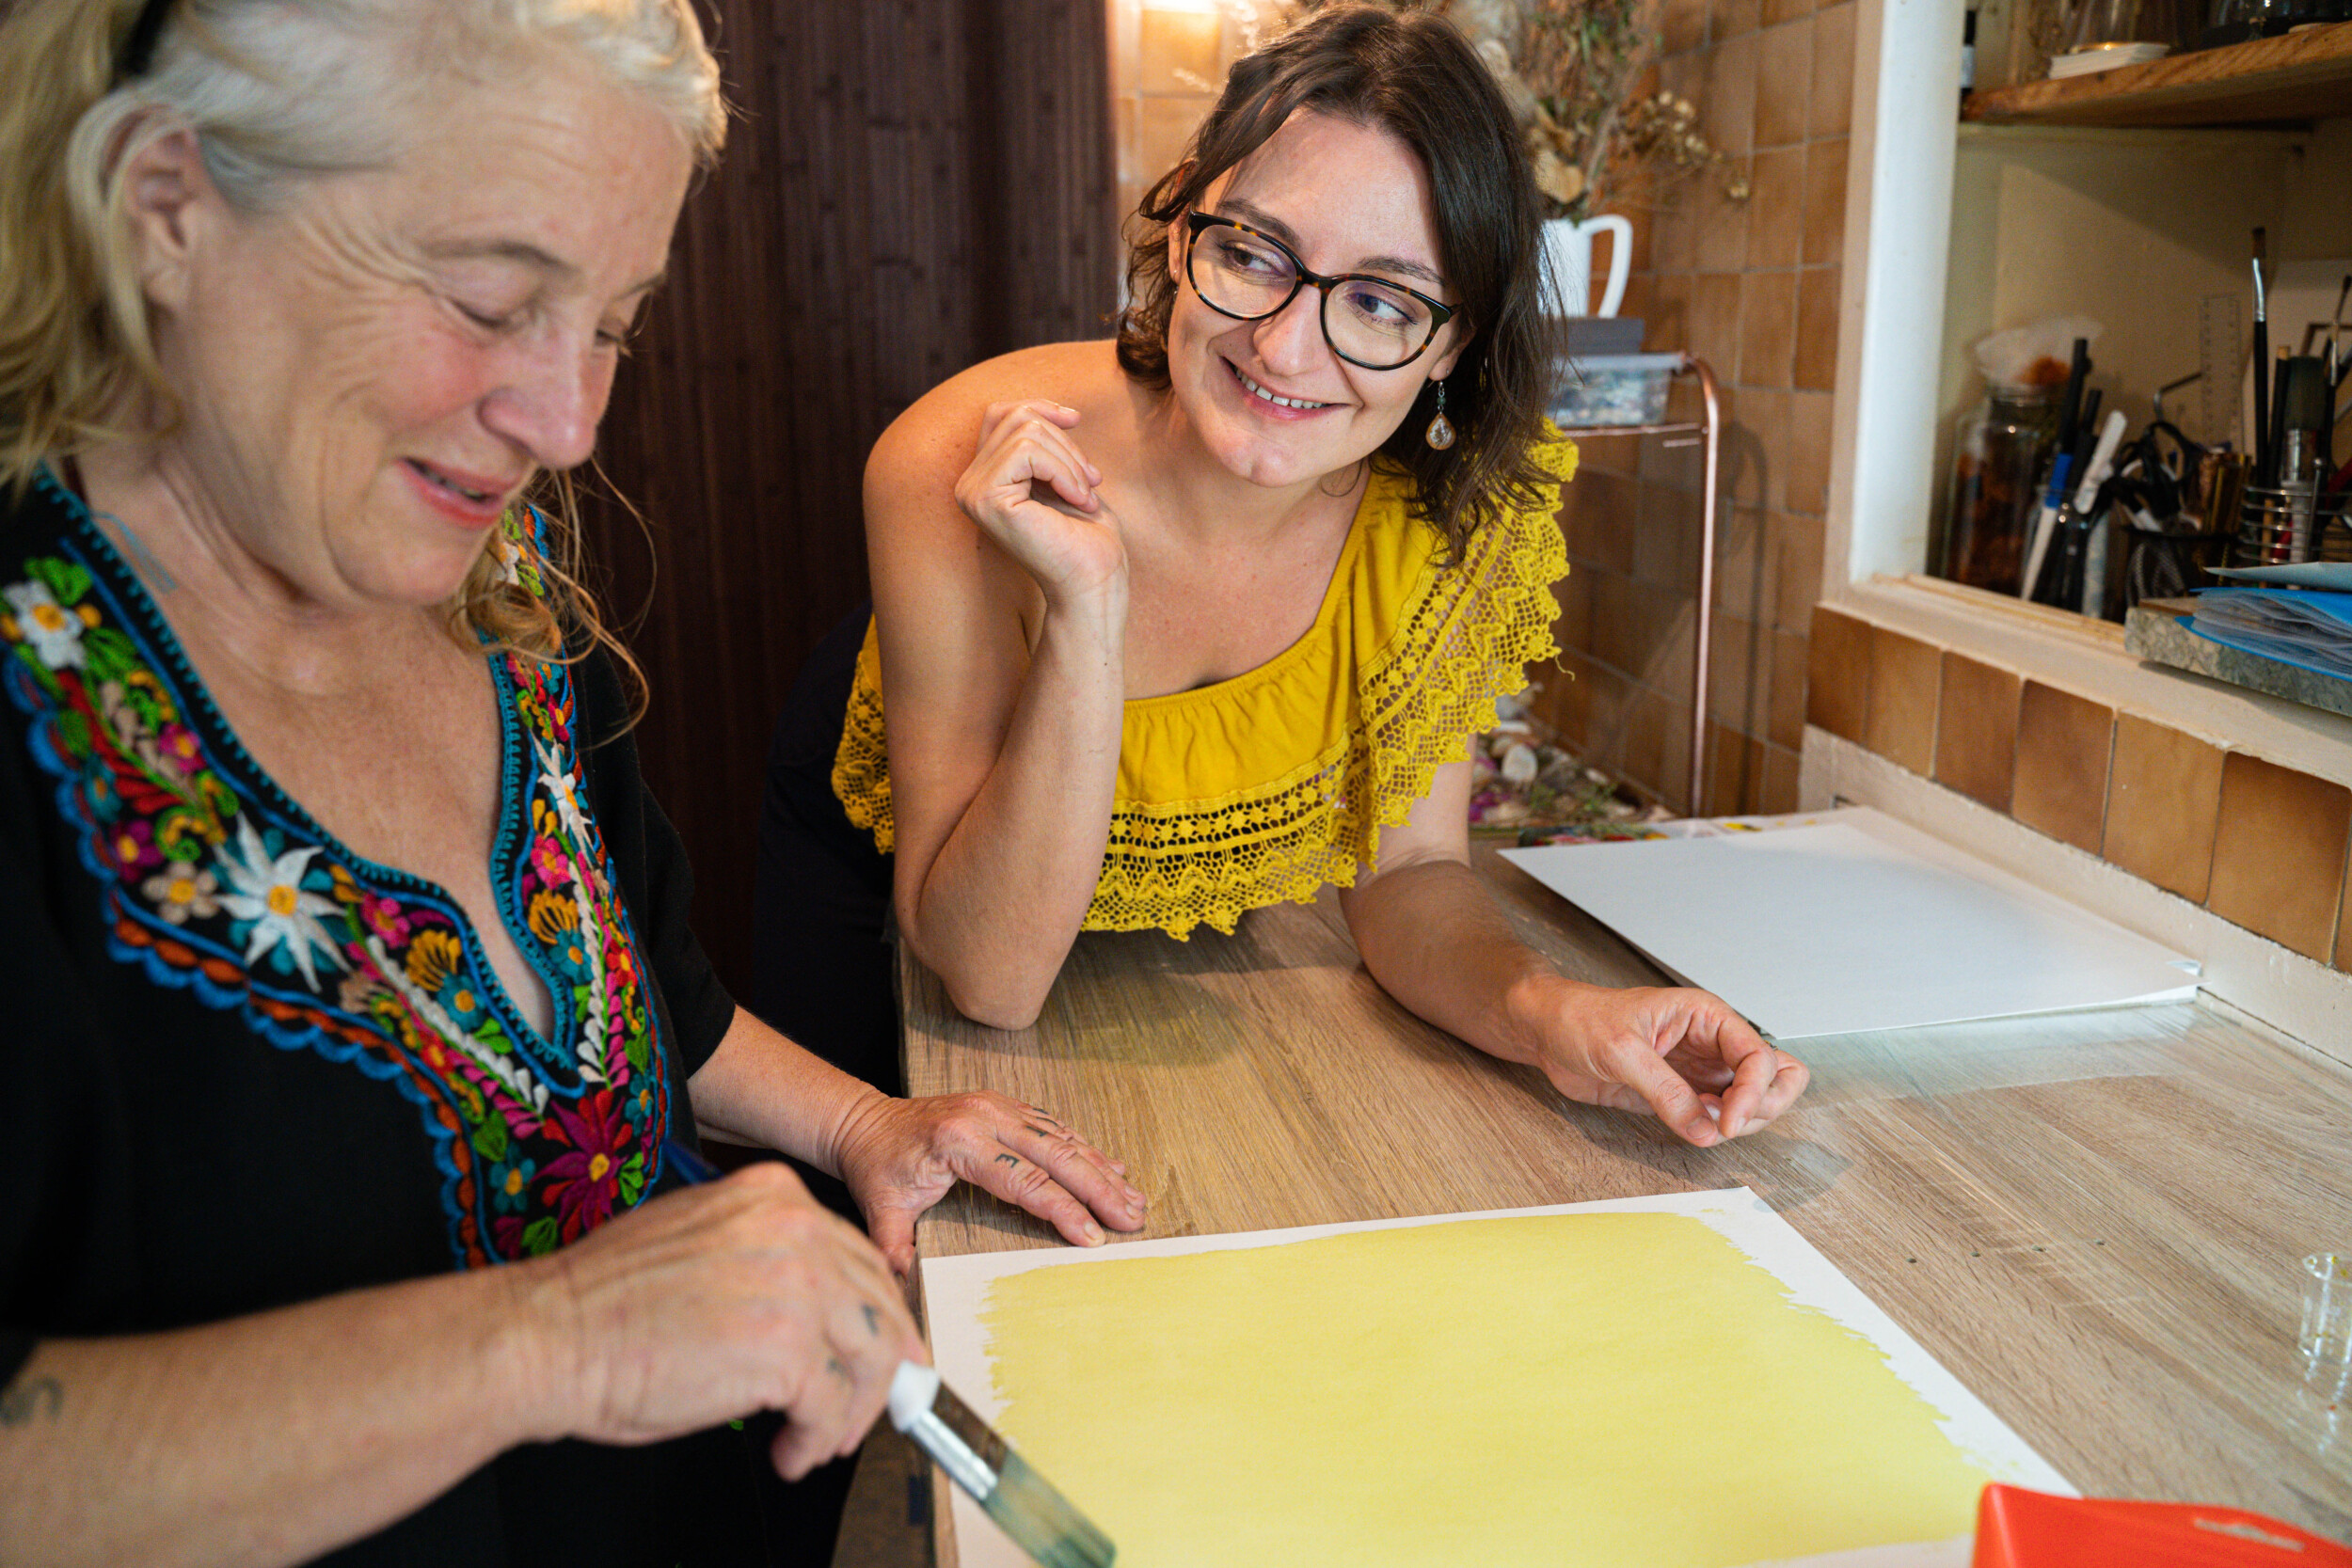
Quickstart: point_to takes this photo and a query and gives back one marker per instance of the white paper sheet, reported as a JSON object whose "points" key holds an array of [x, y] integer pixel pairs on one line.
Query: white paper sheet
{"points": [[956, 1292], [1854, 922], [2335, 575]]}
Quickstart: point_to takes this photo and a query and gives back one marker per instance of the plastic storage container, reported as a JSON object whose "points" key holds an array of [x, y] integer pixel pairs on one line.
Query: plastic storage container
{"points": [[1613, 388]]}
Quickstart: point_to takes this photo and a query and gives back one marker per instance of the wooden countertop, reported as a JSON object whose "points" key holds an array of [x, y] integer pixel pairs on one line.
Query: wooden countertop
{"points": [[2094, 1221]]}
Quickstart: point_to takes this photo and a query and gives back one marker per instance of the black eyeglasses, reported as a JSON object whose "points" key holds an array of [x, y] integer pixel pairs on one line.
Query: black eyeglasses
{"points": [[138, 44], [1249, 274]]}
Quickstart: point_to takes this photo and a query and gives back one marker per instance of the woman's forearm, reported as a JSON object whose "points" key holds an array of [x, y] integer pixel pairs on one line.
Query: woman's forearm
{"points": [[1435, 939], [763, 1089], [269, 1438], [995, 913]]}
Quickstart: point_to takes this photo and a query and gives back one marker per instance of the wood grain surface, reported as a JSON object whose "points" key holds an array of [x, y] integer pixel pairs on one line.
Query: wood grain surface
{"points": [[2094, 1220], [2295, 77]]}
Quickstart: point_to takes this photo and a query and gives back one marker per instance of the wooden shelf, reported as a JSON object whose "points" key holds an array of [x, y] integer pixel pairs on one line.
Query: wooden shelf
{"points": [[2298, 77]]}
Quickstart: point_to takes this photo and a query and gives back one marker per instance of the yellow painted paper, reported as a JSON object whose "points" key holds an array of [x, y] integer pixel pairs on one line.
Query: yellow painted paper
{"points": [[1565, 1390]]}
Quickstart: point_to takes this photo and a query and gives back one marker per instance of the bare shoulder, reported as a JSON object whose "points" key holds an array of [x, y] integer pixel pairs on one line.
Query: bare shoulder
{"points": [[927, 447], [929, 561]]}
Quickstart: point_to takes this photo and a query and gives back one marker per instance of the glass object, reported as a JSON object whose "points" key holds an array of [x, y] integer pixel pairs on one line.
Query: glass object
{"points": [[2000, 452], [2230, 21], [2101, 35], [2325, 1343], [1614, 389], [2235, 21], [1247, 274], [2106, 23], [2284, 16]]}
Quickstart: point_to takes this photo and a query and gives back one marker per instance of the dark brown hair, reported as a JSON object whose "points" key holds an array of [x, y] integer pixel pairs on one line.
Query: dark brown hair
{"points": [[1413, 76]]}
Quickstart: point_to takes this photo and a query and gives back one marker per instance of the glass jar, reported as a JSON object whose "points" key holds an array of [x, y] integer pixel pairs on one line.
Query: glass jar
{"points": [[2000, 451]]}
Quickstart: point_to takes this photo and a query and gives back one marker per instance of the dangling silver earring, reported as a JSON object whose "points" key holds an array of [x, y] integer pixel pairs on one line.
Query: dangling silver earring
{"points": [[1439, 433]]}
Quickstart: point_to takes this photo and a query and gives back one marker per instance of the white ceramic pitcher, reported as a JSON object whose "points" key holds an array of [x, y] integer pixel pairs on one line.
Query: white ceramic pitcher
{"points": [[1568, 265]]}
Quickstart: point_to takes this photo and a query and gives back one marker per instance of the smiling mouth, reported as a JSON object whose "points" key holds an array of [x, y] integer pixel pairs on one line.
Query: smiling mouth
{"points": [[443, 481], [1265, 396]]}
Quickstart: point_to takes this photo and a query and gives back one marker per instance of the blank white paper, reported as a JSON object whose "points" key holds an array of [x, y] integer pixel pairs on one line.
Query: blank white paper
{"points": [[1855, 923]]}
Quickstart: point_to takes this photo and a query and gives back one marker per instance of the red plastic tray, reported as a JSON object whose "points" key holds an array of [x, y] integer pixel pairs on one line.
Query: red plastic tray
{"points": [[2017, 1528]]}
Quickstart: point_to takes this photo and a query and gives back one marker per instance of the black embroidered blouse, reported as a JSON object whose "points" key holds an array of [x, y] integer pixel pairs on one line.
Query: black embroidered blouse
{"points": [[247, 1067]]}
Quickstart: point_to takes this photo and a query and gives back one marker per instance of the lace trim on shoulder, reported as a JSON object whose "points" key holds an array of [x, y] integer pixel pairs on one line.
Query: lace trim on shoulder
{"points": [[1470, 633]]}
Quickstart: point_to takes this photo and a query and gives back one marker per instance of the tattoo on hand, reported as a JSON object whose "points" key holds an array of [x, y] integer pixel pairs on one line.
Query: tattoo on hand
{"points": [[873, 1318], [833, 1365], [1041, 1132], [1013, 1160], [20, 1401]]}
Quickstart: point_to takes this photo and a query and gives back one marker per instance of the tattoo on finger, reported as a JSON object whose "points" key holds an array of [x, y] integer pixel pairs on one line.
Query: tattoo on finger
{"points": [[1013, 1160], [833, 1365], [873, 1318], [20, 1402]]}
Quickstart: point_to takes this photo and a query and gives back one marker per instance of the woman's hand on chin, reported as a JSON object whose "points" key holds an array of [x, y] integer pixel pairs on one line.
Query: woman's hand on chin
{"points": [[1682, 1055], [1031, 490], [901, 1156]]}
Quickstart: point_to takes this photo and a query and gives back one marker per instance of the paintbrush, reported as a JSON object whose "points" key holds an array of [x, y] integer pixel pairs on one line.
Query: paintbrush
{"points": [[2278, 425], [1039, 1520], [2335, 379], [2262, 364]]}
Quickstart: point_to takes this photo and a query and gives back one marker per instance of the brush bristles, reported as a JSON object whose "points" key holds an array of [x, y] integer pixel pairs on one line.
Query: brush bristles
{"points": [[1042, 1521]]}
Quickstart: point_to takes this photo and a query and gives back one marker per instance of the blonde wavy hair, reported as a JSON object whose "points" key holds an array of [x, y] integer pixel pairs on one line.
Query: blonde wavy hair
{"points": [[278, 93]]}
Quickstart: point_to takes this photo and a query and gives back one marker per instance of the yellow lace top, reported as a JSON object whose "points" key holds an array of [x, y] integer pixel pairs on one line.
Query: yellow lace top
{"points": [[1260, 789]]}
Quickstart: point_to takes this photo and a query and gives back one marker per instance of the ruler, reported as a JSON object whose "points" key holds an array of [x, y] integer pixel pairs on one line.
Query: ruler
{"points": [[2222, 349]]}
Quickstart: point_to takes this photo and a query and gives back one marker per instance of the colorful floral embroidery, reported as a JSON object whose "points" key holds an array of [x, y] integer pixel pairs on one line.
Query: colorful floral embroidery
{"points": [[213, 879], [277, 903]]}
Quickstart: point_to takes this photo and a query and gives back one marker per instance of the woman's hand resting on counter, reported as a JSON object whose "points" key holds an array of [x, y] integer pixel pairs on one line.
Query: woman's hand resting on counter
{"points": [[901, 1156], [1682, 1055]]}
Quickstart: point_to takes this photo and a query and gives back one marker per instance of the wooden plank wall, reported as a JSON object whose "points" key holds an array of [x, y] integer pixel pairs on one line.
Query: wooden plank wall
{"points": [[910, 186]]}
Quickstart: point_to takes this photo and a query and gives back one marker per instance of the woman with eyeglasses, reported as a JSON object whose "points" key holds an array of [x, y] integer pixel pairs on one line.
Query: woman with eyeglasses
{"points": [[1175, 626]]}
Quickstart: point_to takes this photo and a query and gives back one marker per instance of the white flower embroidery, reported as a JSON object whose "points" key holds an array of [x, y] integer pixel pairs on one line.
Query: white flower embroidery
{"points": [[563, 787], [180, 891], [517, 1078], [509, 557], [560, 783], [269, 892], [596, 1027], [54, 631]]}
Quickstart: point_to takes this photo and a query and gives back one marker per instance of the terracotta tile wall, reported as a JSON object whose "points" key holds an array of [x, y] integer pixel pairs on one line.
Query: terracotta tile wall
{"points": [[2259, 844], [1752, 288]]}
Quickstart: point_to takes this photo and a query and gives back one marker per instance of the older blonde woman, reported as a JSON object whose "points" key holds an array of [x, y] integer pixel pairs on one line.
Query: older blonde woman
{"points": [[345, 951]]}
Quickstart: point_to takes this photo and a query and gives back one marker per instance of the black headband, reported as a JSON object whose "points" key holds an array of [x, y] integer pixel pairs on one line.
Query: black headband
{"points": [[139, 45]]}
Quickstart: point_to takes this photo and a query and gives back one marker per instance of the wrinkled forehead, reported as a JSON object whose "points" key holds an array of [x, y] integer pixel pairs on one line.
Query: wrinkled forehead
{"points": [[1340, 192], [588, 175]]}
